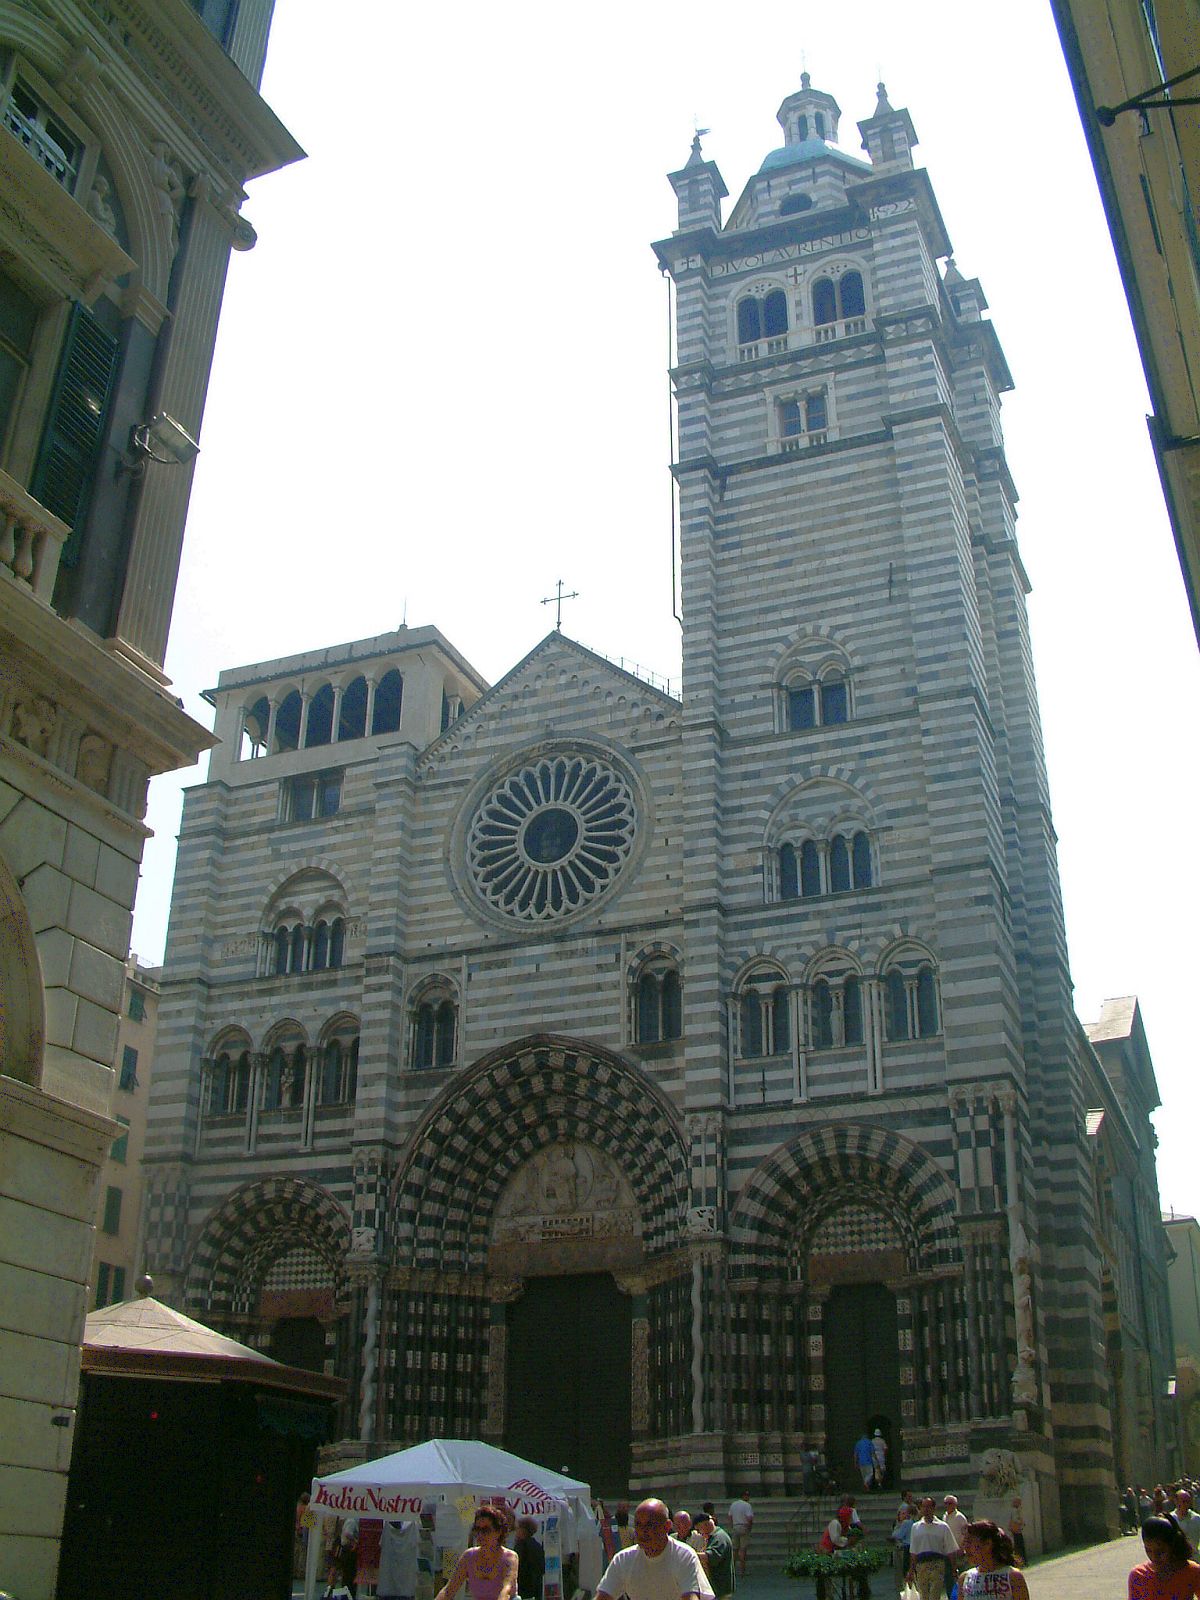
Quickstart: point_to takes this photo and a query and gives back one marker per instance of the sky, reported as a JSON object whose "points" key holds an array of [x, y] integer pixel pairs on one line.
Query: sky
{"points": [[440, 386]]}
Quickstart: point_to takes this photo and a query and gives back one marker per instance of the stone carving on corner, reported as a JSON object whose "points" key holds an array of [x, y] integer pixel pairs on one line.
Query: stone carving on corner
{"points": [[999, 1474], [168, 181], [1024, 1379], [33, 720], [701, 1221], [100, 206], [94, 762], [569, 1190]]}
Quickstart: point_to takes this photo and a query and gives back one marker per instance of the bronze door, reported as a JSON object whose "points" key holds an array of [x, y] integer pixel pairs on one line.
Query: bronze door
{"points": [[568, 1382]]}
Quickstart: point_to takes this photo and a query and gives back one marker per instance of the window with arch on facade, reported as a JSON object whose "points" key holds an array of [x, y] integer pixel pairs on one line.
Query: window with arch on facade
{"points": [[337, 1082], [658, 1003], [801, 417], [229, 1082], [286, 1075], [841, 299], [820, 700], [764, 1015], [389, 703], [912, 1005], [256, 721], [435, 1029], [835, 865], [352, 713], [833, 1004], [761, 317], [296, 948]]}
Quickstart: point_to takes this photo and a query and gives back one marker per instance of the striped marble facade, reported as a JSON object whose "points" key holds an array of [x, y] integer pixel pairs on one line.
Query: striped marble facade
{"points": [[908, 1104]]}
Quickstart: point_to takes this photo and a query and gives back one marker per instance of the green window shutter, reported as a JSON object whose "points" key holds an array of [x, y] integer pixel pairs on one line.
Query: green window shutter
{"points": [[66, 464]]}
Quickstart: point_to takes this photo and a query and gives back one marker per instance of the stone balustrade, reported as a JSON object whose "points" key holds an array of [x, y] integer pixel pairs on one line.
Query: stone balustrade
{"points": [[31, 539]]}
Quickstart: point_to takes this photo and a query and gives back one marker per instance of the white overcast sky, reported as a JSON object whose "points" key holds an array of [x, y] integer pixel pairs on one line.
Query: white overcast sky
{"points": [[440, 386]]}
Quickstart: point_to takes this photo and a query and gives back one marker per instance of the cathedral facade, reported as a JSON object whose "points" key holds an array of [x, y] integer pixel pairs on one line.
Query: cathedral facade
{"points": [[654, 1086]]}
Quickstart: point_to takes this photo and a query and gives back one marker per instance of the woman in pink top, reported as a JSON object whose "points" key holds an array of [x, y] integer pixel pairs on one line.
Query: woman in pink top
{"points": [[487, 1568]]}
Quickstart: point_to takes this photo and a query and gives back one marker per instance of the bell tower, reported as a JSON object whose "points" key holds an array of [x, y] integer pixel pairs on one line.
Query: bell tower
{"points": [[873, 924]]}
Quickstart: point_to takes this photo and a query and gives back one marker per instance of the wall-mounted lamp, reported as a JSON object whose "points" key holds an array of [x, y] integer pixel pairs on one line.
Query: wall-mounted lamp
{"points": [[162, 440]]}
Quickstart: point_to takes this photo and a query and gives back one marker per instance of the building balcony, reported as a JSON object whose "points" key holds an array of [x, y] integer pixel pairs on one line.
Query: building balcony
{"points": [[31, 539]]}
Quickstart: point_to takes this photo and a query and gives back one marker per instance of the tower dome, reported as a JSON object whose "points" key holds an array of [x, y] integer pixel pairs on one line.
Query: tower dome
{"points": [[809, 114]]}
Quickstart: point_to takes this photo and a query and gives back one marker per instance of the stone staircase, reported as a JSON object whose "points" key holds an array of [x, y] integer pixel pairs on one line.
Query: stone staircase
{"points": [[785, 1525]]}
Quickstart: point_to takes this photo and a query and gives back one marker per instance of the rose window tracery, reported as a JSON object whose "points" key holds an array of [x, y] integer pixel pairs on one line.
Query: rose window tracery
{"points": [[551, 837]]}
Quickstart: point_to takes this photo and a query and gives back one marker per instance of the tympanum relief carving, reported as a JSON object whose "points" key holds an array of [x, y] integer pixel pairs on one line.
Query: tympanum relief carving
{"points": [[569, 1190]]}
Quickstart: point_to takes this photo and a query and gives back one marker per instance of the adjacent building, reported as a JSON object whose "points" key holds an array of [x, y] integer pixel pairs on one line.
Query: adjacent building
{"points": [[1133, 67], [115, 1258], [127, 132], [653, 1085], [1183, 1244]]}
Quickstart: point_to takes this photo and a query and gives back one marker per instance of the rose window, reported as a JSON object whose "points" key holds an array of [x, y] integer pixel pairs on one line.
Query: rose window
{"points": [[551, 837]]}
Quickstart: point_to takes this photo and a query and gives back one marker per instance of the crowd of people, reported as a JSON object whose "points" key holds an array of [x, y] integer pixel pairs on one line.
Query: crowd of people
{"points": [[940, 1554]]}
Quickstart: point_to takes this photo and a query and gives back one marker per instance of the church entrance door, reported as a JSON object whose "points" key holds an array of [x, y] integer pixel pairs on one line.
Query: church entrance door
{"points": [[568, 1388], [862, 1376]]}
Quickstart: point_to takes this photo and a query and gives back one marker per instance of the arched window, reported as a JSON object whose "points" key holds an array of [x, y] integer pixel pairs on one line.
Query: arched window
{"points": [[282, 946], [789, 874], [277, 1070], [763, 1016], [254, 730], [896, 1004], [331, 1074], [835, 1010], [658, 1007], [822, 1015], [819, 120], [237, 1096], [775, 317], [753, 1032], [820, 700], [298, 1067], [862, 861], [839, 865], [835, 702], [352, 718], [218, 1084], [793, 203], [852, 1010], [337, 941], [320, 947], [296, 953], [911, 1000], [287, 722], [810, 869], [339, 1066], [749, 320], [444, 1034], [765, 317], [318, 729], [435, 1030], [389, 698], [927, 1005], [850, 292], [802, 127], [824, 302], [801, 707]]}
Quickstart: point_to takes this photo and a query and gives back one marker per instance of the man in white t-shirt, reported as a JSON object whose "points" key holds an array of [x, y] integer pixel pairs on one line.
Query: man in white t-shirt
{"points": [[657, 1567], [741, 1520], [930, 1546]]}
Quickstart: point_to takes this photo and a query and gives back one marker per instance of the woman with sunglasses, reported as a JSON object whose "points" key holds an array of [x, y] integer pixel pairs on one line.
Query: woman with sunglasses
{"points": [[487, 1568]]}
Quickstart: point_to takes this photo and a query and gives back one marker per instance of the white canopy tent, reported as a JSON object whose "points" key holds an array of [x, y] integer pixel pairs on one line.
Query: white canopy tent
{"points": [[444, 1472]]}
